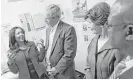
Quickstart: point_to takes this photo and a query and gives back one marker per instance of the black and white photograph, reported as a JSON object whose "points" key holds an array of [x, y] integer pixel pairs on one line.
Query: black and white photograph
{"points": [[66, 39]]}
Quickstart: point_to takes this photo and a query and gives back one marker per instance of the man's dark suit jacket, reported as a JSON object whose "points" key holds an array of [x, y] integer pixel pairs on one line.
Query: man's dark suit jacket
{"points": [[63, 50]]}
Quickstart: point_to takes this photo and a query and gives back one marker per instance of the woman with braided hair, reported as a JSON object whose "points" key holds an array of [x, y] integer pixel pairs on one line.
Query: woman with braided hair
{"points": [[101, 57]]}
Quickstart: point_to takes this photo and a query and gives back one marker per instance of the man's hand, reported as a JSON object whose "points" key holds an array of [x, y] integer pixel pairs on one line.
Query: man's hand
{"points": [[88, 74], [52, 71]]}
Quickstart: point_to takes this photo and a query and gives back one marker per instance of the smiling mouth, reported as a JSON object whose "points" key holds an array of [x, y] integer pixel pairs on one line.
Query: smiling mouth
{"points": [[129, 37], [22, 37]]}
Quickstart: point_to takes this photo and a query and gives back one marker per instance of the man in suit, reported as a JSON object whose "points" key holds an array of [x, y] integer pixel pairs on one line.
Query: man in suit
{"points": [[61, 45], [121, 23]]}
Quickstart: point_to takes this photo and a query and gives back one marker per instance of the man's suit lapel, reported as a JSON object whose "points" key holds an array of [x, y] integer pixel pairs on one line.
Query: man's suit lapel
{"points": [[58, 30]]}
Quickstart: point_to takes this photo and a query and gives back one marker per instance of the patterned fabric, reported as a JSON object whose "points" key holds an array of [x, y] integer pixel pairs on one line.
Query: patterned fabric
{"points": [[128, 61]]}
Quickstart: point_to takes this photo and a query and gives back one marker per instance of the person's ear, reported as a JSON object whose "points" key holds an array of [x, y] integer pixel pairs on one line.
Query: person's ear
{"points": [[129, 32]]}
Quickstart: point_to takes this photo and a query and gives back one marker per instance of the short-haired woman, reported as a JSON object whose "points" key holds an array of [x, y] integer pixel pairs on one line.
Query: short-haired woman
{"points": [[101, 56]]}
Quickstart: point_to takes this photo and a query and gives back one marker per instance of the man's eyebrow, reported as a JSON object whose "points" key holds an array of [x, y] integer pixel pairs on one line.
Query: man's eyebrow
{"points": [[127, 24], [109, 24]]}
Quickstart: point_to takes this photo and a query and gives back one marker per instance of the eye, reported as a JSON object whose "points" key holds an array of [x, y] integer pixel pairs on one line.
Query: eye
{"points": [[129, 34], [53, 17], [109, 26], [18, 33], [130, 30]]}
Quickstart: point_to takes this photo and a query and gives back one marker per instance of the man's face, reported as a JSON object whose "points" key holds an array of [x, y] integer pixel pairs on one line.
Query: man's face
{"points": [[117, 36], [120, 38], [121, 22], [52, 20], [117, 32]]}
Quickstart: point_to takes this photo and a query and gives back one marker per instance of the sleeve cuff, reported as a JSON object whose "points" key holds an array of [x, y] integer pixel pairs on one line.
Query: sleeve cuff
{"points": [[10, 62], [56, 70]]}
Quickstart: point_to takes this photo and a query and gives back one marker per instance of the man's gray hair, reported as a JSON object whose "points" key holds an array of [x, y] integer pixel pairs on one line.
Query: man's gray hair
{"points": [[53, 10]]}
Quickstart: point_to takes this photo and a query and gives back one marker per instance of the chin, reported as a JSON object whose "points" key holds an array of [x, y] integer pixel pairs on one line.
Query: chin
{"points": [[113, 44], [94, 33], [21, 40], [130, 51]]}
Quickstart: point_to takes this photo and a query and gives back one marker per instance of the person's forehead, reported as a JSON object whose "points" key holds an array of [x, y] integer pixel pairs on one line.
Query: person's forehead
{"points": [[18, 30], [52, 10], [114, 20], [49, 14], [115, 16], [121, 13]]}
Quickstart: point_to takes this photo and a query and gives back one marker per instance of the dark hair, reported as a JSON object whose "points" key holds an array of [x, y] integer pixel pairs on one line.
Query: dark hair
{"points": [[12, 40], [99, 13]]}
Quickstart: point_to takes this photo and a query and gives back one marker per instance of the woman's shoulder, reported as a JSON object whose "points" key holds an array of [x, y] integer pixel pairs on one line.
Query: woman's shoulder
{"points": [[94, 40], [14, 51], [113, 52]]}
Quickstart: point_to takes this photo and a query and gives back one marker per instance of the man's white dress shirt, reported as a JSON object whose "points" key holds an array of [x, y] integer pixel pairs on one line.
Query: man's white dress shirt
{"points": [[51, 37]]}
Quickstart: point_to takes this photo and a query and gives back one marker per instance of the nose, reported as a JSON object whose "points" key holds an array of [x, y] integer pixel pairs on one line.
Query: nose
{"points": [[47, 20], [109, 29], [92, 28]]}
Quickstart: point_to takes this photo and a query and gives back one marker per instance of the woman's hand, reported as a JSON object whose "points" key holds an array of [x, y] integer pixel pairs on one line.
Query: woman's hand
{"points": [[11, 58], [11, 55]]}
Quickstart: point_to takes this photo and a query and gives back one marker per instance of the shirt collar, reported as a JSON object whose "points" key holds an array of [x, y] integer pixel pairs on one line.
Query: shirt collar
{"points": [[106, 46], [54, 27]]}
